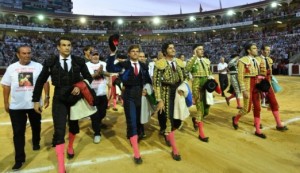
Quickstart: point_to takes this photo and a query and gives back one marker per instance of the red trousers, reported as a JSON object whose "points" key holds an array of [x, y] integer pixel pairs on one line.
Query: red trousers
{"points": [[253, 99], [271, 95]]}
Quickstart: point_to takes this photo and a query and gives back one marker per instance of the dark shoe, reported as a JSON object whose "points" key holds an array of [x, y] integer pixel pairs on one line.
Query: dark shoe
{"points": [[235, 126], [167, 142], [138, 161], [260, 126], [162, 132], [36, 147], [141, 136], [282, 129], [227, 101], [238, 107], [195, 124], [176, 157], [70, 156], [203, 139], [17, 166], [115, 109], [261, 135]]}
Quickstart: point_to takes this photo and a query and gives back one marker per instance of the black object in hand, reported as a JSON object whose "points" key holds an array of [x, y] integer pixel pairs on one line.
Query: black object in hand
{"points": [[113, 42]]}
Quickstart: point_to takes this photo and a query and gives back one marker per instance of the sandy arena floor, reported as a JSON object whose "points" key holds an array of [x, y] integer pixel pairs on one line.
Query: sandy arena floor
{"points": [[228, 151]]}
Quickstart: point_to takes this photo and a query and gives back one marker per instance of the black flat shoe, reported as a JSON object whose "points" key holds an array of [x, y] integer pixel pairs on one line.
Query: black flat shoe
{"points": [[282, 129], [17, 166], [227, 101], [162, 132], [235, 126], [261, 135], [195, 124], [70, 156], [176, 157], [138, 161], [167, 142], [203, 139]]}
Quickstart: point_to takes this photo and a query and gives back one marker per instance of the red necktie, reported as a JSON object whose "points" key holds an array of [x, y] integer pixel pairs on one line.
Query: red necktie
{"points": [[136, 72]]}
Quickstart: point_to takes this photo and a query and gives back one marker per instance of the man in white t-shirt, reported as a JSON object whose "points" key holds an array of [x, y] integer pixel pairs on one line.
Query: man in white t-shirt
{"points": [[223, 79], [97, 69], [18, 84]]}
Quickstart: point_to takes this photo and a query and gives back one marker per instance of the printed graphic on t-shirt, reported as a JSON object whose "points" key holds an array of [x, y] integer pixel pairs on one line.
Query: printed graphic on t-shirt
{"points": [[25, 79]]}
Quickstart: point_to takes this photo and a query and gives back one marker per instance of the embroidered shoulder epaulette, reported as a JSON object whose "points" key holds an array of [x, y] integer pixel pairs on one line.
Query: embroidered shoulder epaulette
{"points": [[259, 59], [161, 64], [179, 62], [206, 61], [270, 60], [245, 60]]}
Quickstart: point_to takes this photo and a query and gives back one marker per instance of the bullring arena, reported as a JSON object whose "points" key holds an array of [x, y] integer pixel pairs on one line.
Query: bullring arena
{"points": [[223, 33], [228, 151]]}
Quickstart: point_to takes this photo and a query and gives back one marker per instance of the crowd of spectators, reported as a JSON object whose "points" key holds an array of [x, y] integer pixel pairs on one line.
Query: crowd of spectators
{"points": [[269, 13], [284, 44]]}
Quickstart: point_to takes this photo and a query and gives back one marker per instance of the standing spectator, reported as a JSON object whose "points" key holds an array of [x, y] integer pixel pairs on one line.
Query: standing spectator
{"points": [[65, 70], [151, 65], [115, 86], [182, 57], [97, 68], [20, 107], [142, 57], [223, 79], [87, 52]]}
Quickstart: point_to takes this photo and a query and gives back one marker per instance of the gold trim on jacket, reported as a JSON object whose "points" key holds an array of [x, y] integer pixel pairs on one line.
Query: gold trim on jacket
{"points": [[246, 68]]}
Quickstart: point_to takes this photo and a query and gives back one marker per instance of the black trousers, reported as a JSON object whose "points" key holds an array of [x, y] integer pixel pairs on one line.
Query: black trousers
{"points": [[18, 120], [61, 115], [223, 79], [162, 118], [101, 104]]}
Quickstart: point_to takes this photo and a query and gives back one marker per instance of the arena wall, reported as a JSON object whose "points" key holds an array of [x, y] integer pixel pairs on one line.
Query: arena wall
{"points": [[294, 69]]}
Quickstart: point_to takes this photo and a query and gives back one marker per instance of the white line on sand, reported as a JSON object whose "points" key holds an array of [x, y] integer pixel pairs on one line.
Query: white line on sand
{"points": [[89, 162], [289, 121]]}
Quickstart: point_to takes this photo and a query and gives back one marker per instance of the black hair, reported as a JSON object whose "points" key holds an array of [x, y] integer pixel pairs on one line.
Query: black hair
{"points": [[196, 45], [263, 47], [165, 46], [63, 38], [24, 45], [86, 48], [247, 46]]}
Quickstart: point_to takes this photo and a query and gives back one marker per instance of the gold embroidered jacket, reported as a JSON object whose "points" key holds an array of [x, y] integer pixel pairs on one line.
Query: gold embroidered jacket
{"points": [[195, 67], [262, 65], [163, 74], [246, 68]]}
